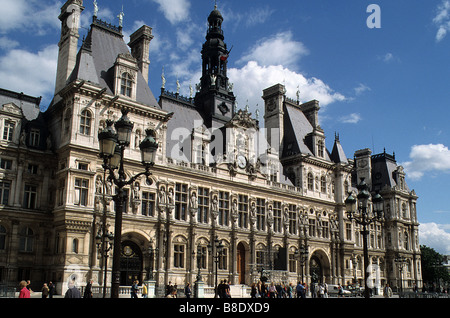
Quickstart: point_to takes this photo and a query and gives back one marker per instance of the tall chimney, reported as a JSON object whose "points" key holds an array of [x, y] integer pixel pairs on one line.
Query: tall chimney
{"points": [[68, 44], [140, 48]]}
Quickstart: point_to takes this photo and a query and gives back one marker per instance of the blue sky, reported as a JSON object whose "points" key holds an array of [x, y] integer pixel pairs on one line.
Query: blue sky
{"points": [[379, 88]]}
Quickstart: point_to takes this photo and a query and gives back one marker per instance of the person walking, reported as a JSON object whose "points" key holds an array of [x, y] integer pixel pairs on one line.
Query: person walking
{"points": [[45, 291], [387, 291], [144, 290], [24, 292], [134, 289], [88, 291], [73, 291], [51, 290], [187, 290]]}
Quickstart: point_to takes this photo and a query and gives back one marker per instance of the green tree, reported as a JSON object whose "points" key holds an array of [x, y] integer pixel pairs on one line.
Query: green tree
{"points": [[433, 270]]}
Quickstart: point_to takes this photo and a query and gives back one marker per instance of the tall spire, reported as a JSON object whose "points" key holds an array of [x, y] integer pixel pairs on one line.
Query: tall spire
{"points": [[215, 96]]}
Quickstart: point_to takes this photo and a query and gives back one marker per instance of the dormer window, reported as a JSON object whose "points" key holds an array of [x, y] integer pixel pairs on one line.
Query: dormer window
{"points": [[126, 85], [321, 149], [125, 76], [85, 123]]}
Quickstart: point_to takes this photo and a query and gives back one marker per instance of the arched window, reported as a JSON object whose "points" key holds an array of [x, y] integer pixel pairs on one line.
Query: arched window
{"points": [[126, 84], [406, 241], [75, 246], [85, 122], [26, 240]]}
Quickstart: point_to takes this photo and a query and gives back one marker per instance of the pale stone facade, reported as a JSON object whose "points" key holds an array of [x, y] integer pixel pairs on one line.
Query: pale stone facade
{"points": [[264, 205]]}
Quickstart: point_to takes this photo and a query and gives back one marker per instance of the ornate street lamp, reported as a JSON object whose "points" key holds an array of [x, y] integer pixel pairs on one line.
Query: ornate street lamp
{"points": [[112, 148], [358, 210], [104, 240], [302, 256], [217, 249]]}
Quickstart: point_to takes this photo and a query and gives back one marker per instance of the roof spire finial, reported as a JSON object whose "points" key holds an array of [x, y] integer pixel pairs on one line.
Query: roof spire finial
{"points": [[120, 16], [215, 4]]}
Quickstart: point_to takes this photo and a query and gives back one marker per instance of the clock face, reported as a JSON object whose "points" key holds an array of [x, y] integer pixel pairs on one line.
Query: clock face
{"points": [[242, 162]]}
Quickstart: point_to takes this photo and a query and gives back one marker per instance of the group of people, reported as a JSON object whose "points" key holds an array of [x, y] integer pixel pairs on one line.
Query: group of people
{"points": [[47, 290], [279, 290]]}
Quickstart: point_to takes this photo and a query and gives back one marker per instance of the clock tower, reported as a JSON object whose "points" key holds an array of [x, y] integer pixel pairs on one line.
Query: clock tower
{"points": [[215, 97]]}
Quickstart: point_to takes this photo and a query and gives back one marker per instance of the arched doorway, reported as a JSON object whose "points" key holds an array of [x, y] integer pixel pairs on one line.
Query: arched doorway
{"points": [[241, 262], [130, 264], [315, 270]]}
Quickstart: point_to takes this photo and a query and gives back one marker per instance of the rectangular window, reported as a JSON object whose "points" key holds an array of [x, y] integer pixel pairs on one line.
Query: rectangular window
{"points": [[202, 251], [61, 191], [312, 227], [260, 214], [148, 204], [224, 208], [223, 259], [33, 169], [277, 216], [81, 192], [292, 219], [243, 211], [178, 257], [260, 258], [29, 198], [8, 131], [5, 164], [348, 231], [203, 205], [292, 263], [325, 231], [5, 187], [35, 136], [181, 199]]}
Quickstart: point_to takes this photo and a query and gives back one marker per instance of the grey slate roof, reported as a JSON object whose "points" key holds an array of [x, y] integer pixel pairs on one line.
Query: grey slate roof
{"points": [[297, 127], [28, 104], [184, 120], [338, 154], [96, 59]]}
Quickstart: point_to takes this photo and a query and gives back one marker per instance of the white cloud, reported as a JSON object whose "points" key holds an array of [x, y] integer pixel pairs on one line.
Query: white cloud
{"points": [[361, 89], [442, 20], [434, 235], [279, 49], [25, 14], [427, 158], [174, 10], [31, 73], [353, 118]]}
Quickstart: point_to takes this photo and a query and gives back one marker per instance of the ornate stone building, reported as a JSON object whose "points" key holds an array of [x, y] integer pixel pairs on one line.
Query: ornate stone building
{"points": [[266, 193]]}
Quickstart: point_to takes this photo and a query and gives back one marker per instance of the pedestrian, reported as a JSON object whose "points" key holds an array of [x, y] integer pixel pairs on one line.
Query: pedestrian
{"points": [[24, 292], [45, 291], [387, 292], [88, 290], [325, 290], [73, 291], [340, 291], [263, 291], [169, 290], [254, 291], [144, 290], [29, 286], [272, 291], [134, 289], [51, 290], [321, 291], [187, 290], [226, 289]]}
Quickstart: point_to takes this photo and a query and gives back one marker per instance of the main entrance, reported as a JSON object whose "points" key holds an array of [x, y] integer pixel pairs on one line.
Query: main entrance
{"points": [[130, 264], [315, 270], [241, 262]]}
